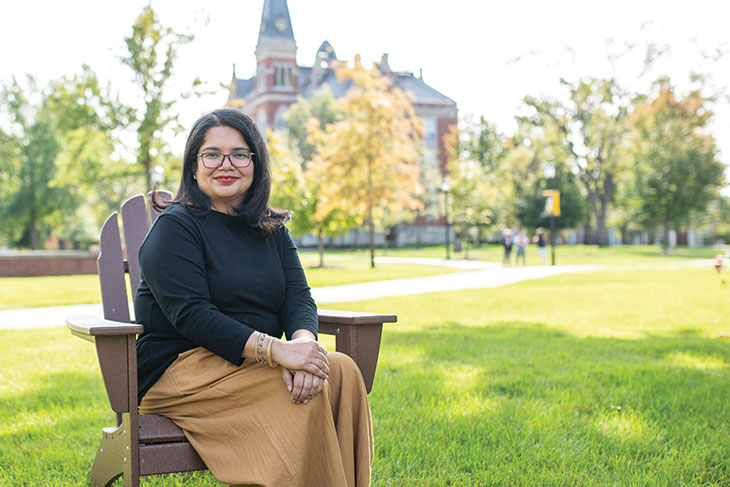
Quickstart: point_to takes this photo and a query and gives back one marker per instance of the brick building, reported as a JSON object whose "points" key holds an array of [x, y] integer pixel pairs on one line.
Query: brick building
{"points": [[279, 80]]}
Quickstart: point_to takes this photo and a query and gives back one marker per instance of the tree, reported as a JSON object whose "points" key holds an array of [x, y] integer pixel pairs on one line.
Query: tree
{"points": [[368, 162], [322, 107], [676, 169], [523, 170], [295, 188], [472, 190], [592, 123], [151, 54], [54, 146], [297, 184]]}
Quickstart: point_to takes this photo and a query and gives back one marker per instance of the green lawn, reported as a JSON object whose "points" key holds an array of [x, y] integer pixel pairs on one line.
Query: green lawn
{"points": [[31, 292], [619, 377], [567, 254]]}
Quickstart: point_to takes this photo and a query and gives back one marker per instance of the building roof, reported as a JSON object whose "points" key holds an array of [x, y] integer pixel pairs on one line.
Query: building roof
{"points": [[422, 92], [275, 21], [241, 87]]}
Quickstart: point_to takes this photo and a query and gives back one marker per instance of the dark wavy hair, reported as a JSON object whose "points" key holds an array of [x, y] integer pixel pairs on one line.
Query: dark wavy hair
{"points": [[255, 210]]}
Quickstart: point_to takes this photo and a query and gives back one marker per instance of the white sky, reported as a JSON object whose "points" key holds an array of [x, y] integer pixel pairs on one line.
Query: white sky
{"points": [[464, 47]]}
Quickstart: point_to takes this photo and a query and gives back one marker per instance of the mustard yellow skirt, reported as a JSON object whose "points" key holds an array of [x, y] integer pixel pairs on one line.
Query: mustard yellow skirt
{"points": [[242, 423]]}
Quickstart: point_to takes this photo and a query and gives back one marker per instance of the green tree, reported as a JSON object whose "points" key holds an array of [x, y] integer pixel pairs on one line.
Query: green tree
{"points": [[298, 184], [50, 130], [322, 107], [472, 191], [676, 169], [368, 163], [523, 169], [151, 53], [592, 124], [295, 188]]}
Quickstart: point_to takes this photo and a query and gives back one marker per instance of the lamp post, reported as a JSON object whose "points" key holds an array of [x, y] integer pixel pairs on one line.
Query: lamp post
{"points": [[548, 170], [445, 187]]}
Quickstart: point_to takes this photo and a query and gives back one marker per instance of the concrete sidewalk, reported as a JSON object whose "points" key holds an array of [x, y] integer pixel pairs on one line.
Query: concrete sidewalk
{"points": [[483, 275]]}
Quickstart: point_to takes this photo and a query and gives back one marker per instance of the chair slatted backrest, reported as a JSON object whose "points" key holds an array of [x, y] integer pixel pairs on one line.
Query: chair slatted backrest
{"points": [[111, 262]]}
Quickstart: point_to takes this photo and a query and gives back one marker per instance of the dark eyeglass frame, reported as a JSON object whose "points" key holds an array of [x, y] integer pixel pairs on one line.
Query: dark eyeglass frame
{"points": [[230, 159]]}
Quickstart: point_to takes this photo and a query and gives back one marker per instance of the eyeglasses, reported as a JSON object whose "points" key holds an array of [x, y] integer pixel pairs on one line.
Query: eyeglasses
{"points": [[213, 160]]}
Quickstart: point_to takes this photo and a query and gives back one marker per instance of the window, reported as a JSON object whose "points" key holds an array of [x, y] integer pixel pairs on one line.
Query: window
{"points": [[282, 75]]}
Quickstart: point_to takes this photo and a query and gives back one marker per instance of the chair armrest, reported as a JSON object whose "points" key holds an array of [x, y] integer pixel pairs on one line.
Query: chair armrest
{"points": [[357, 335], [88, 327], [336, 317]]}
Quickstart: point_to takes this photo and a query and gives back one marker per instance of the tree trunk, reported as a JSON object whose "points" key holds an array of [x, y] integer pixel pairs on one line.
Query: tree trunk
{"points": [[371, 223], [625, 234], [147, 175], [320, 248], [665, 239], [33, 229], [601, 221], [371, 230]]}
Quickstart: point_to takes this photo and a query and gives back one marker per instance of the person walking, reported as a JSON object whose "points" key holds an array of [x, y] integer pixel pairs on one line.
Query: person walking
{"points": [[507, 243], [521, 243], [541, 242]]}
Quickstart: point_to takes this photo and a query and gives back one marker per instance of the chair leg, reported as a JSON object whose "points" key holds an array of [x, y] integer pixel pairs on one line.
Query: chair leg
{"points": [[113, 458]]}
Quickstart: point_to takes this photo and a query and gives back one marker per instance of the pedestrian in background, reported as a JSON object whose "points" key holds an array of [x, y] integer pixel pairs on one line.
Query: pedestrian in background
{"points": [[521, 243], [539, 239], [507, 243]]}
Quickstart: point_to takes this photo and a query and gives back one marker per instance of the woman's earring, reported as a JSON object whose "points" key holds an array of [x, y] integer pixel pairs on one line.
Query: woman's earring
{"points": [[194, 177]]}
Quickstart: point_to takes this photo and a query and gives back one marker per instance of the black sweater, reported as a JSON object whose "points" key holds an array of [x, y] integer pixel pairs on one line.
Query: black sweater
{"points": [[209, 281]]}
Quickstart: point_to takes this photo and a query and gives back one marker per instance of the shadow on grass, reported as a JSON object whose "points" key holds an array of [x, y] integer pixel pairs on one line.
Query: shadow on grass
{"points": [[524, 404], [51, 432]]}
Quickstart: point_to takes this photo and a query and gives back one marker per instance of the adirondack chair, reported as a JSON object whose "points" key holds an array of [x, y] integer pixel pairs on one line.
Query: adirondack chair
{"points": [[142, 444]]}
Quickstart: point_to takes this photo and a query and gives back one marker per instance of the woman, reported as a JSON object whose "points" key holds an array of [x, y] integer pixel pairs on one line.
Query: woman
{"points": [[221, 282]]}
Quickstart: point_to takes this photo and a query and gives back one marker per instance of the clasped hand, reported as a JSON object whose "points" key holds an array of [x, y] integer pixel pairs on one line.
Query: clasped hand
{"points": [[304, 367]]}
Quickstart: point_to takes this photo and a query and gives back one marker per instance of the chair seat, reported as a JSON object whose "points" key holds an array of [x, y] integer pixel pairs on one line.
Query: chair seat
{"points": [[158, 429]]}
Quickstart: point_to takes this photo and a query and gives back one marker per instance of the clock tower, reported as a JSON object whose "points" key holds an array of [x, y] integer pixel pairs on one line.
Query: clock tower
{"points": [[277, 77]]}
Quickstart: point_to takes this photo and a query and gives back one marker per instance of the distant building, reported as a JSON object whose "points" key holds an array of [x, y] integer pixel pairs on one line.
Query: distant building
{"points": [[279, 80]]}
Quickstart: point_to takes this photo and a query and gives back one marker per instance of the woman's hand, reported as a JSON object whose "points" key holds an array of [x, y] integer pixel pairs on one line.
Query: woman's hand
{"points": [[301, 354], [302, 385]]}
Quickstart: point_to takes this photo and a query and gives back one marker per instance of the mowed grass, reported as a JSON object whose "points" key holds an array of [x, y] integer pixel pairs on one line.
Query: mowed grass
{"points": [[612, 378], [32, 292], [628, 255]]}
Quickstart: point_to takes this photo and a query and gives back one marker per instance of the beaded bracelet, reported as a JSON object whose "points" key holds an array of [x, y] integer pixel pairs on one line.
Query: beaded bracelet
{"points": [[260, 349]]}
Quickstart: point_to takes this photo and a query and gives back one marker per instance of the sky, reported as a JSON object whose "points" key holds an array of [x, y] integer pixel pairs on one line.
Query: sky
{"points": [[486, 55]]}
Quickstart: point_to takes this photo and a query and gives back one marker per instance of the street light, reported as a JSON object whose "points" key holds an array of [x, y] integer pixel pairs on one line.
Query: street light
{"points": [[548, 170], [445, 187]]}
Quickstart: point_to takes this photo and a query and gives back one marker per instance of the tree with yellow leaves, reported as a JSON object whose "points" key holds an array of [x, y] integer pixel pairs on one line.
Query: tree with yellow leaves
{"points": [[295, 189], [368, 163]]}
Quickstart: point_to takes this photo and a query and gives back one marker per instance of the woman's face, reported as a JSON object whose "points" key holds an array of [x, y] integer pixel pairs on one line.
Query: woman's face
{"points": [[226, 185]]}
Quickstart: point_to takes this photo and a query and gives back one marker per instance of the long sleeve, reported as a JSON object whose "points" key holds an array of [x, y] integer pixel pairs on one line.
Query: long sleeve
{"points": [[299, 310], [174, 269]]}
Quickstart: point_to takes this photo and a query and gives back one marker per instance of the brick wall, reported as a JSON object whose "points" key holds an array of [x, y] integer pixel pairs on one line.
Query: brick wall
{"points": [[47, 263]]}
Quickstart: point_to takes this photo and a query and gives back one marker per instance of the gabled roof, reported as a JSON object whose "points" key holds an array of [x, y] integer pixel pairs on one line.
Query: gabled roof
{"points": [[242, 87]]}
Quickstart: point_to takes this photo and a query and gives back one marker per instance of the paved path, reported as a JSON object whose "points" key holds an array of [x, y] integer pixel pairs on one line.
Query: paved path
{"points": [[477, 275]]}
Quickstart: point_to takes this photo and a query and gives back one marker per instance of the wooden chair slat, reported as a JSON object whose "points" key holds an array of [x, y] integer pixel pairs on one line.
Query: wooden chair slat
{"points": [[158, 429], [110, 264], [134, 220]]}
